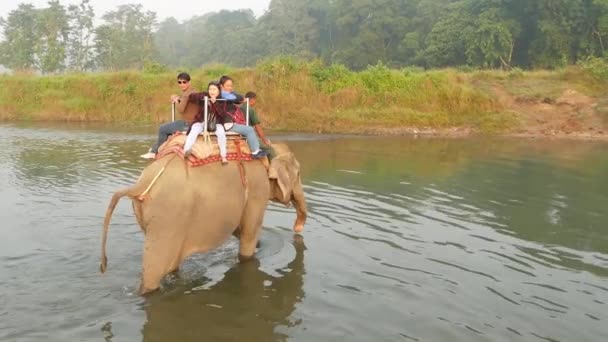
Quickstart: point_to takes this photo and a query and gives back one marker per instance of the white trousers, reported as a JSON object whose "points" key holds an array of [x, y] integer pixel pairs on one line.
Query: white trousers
{"points": [[220, 133], [197, 128]]}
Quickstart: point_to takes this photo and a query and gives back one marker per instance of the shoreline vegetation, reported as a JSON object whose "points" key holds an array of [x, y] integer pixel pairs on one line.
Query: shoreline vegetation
{"points": [[310, 97]]}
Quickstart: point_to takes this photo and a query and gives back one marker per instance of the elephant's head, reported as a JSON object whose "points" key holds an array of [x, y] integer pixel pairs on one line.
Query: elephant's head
{"points": [[284, 174], [286, 186]]}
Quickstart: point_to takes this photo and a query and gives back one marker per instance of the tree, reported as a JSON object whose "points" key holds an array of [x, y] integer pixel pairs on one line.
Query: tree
{"points": [[558, 32], [493, 41], [80, 48], [170, 43], [125, 40], [370, 31], [356, 33], [473, 32], [289, 28], [18, 50], [446, 44], [229, 37], [52, 31], [597, 31]]}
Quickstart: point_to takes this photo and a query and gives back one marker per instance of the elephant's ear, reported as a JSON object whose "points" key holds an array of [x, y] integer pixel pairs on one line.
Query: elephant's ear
{"points": [[279, 171]]}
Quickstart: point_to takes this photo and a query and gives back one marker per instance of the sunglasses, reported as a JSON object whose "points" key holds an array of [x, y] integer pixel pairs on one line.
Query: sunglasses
{"points": [[182, 82]]}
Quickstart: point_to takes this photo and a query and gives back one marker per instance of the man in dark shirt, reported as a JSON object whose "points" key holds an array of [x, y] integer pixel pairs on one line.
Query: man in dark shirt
{"points": [[254, 121]]}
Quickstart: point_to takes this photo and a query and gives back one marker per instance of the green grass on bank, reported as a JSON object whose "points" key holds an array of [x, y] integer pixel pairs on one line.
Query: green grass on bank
{"points": [[300, 96]]}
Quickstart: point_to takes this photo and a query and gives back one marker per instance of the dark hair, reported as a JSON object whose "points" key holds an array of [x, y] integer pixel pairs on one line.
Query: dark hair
{"points": [[225, 79], [251, 95], [214, 83], [184, 76]]}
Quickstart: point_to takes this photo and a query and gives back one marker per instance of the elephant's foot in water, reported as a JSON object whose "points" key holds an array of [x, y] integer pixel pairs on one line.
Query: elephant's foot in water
{"points": [[237, 234], [244, 258], [247, 248], [150, 284], [150, 281], [145, 291], [298, 227], [157, 263]]}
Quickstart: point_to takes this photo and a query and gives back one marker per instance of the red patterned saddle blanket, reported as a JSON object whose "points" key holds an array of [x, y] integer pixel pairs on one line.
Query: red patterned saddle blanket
{"points": [[205, 149]]}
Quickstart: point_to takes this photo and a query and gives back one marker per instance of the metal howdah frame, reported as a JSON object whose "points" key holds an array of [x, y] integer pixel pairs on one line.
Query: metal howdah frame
{"points": [[207, 112]]}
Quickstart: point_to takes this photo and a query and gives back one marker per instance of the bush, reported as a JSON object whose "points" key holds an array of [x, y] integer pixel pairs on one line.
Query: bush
{"points": [[332, 78], [154, 68], [598, 67], [412, 70], [215, 71], [516, 73], [280, 66], [377, 78]]}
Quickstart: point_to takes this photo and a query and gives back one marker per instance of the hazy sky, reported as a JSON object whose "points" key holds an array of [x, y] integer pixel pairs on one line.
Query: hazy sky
{"points": [[179, 9]]}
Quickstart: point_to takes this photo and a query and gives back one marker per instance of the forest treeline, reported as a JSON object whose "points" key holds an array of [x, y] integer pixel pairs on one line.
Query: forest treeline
{"points": [[355, 33]]}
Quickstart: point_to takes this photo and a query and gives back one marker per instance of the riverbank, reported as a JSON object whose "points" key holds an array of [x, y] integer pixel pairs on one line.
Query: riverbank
{"points": [[309, 97]]}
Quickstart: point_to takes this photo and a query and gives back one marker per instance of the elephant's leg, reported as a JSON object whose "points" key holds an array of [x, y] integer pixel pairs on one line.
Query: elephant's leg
{"points": [[251, 225], [247, 244], [160, 258], [237, 233], [139, 216], [298, 201]]}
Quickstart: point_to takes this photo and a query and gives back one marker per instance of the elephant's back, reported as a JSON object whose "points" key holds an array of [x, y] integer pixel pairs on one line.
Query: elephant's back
{"points": [[216, 186]]}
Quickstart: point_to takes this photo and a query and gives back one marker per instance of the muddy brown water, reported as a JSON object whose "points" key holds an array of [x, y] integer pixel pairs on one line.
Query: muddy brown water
{"points": [[407, 240]]}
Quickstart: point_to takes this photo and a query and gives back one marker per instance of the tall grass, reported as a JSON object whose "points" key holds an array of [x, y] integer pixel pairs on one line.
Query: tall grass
{"points": [[292, 95]]}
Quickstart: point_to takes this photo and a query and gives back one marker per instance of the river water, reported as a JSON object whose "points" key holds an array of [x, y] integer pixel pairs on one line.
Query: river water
{"points": [[407, 240]]}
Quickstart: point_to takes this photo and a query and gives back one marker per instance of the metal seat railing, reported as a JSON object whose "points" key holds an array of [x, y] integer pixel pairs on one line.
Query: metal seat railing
{"points": [[206, 116]]}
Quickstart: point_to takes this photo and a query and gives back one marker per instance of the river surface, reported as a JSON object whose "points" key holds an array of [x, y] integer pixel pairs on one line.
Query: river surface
{"points": [[407, 240]]}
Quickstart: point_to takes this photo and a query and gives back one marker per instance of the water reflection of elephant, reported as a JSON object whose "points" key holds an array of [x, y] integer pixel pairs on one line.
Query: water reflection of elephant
{"points": [[247, 304]]}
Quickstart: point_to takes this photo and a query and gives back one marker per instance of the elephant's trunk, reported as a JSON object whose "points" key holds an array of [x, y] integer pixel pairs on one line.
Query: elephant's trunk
{"points": [[299, 202], [106, 225]]}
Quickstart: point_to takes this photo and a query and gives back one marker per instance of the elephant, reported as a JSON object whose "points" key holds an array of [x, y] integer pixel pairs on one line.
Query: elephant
{"points": [[245, 304], [187, 210]]}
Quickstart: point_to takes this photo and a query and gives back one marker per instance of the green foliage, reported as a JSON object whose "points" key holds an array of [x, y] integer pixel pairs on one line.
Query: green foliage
{"points": [[412, 70], [228, 37], [598, 67], [125, 40], [516, 73], [333, 77], [129, 89], [216, 71], [280, 66], [378, 78], [290, 27], [372, 31], [445, 44], [79, 104], [80, 46], [353, 33], [53, 28], [18, 50], [151, 67]]}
